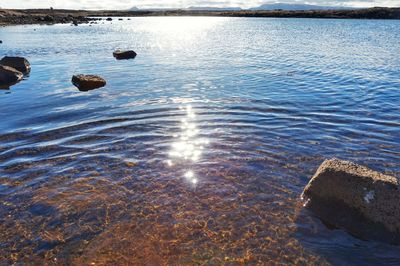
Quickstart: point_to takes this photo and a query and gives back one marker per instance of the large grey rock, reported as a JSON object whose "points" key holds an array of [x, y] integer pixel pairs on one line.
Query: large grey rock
{"points": [[120, 55], [9, 76], [364, 202], [88, 82], [19, 63]]}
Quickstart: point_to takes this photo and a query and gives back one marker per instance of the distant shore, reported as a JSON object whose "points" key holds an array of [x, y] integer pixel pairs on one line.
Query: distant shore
{"points": [[54, 16]]}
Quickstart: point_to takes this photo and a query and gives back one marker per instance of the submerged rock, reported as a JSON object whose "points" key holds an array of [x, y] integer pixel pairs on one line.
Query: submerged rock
{"points": [[88, 82], [364, 202], [119, 55], [19, 63], [9, 76]]}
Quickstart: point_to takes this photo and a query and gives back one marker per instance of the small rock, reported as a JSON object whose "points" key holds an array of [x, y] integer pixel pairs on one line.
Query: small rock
{"points": [[1, 41], [120, 19], [88, 82], [119, 55], [75, 22], [49, 18], [9, 76], [19, 63], [109, 19], [364, 202]]}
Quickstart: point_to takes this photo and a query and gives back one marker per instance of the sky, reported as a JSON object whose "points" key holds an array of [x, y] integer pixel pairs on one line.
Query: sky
{"points": [[126, 4]]}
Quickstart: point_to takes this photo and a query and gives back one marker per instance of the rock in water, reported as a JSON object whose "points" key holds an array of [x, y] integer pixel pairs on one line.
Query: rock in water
{"points": [[9, 76], [362, 201], [19, 63], [119, 55], [88, 82]]}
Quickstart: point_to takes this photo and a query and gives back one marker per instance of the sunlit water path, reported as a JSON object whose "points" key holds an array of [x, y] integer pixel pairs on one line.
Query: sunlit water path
{"points": [[195, 152]]}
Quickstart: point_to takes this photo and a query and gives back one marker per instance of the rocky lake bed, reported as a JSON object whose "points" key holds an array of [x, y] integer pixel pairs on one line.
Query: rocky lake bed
{"points": [[199, 150]]}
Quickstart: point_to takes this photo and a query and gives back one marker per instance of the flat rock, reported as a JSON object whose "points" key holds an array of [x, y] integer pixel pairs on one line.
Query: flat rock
{"points": [[120, 55], [9, 76], [364, 202], [19, 63], [88, 82]]}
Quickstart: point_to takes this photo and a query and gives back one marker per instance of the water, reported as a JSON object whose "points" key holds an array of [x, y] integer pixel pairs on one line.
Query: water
{"points": [[197, 150]]}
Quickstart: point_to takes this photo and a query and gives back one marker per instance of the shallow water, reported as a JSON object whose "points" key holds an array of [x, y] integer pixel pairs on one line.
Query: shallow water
{"points": [[196, 152]]}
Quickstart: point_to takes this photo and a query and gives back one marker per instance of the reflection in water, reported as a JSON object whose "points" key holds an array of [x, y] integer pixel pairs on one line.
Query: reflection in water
{"points": [[189, 146]]}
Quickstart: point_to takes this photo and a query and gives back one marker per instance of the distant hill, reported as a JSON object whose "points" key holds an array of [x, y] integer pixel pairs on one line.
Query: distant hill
{"points": [[191, 8], [286, 6], [209, 8]]}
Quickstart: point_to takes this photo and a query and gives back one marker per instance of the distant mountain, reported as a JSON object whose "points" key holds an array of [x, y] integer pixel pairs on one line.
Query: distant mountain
{"points": [[191, 8], [272, 6], [209, 8], [155, 9], [286, 6]]}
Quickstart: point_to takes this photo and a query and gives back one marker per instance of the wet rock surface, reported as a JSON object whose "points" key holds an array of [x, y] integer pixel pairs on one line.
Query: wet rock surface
{"points": [[19, 63], [123, 55], [88, 82], [364, 202], [9, 76]]}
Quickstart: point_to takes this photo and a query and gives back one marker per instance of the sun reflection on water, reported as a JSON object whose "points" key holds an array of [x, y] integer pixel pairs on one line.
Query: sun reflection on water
{"points": [[181, 26], [188, 147]]}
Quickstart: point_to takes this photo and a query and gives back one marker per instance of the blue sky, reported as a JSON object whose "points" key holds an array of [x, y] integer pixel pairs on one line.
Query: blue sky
{"points": [[124, 4]]}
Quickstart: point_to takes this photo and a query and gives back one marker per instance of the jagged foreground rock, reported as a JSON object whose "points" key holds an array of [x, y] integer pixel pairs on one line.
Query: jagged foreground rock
{"points": [[364, 202]]}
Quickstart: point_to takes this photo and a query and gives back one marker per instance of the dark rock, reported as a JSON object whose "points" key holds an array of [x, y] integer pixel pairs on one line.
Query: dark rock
{"points": [[9, 76], [1, 41], [75, 22], [119, 55], [364, 202], [88, 82], [109, 19], [19, 63], [49, 18], [120, 19]]}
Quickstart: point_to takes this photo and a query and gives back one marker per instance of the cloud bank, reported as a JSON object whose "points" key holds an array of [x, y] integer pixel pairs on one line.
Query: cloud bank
{"points": [[126, 4]]}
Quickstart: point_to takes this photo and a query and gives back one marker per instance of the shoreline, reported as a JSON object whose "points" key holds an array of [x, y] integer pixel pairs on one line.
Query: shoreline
{"points": [[55, 16]]}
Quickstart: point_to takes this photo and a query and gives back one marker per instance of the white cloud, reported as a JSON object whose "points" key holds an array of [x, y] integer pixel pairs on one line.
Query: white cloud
{"points": [[125, 4]]}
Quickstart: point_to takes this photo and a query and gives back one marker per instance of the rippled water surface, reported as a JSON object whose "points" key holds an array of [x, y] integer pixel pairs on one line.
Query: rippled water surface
{"points": [[197, 151]]}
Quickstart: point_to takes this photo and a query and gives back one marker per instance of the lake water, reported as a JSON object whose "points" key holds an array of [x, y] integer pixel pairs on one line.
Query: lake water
{"points": [[197, 151]]}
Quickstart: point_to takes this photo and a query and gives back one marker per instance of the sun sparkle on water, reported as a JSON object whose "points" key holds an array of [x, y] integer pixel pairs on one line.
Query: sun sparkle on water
{"points": [[189, 146]]}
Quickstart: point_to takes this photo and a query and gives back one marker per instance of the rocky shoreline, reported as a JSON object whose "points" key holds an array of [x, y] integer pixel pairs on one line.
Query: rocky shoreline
{"points": [[53, 16], [49, 16]]}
